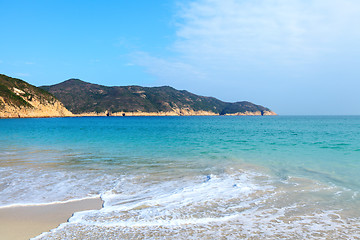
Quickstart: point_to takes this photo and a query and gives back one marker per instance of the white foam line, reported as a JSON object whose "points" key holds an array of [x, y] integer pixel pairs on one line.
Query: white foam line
{"points": [[49, 203], [173, 222]]}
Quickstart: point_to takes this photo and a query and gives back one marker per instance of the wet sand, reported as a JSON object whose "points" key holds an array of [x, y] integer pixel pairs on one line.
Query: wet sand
{"points": [[24, 222]]}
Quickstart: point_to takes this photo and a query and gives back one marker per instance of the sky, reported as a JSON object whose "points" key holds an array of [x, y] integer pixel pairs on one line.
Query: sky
{"points": [[297, 57]]}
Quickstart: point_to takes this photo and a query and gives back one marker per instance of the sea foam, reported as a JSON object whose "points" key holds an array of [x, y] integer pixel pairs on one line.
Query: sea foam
{"points": [[232, 205]]}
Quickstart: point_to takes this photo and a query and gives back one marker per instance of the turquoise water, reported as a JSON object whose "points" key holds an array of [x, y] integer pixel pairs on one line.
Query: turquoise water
{"points": [[175, 177]]}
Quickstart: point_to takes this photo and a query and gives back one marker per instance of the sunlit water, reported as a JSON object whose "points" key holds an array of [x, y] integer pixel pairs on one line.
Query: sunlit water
{"points": [[189, 177]]}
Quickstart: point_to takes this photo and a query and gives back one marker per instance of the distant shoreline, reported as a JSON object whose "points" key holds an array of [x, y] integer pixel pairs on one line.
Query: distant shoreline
{"points": [[142, 114], [135, 115]]}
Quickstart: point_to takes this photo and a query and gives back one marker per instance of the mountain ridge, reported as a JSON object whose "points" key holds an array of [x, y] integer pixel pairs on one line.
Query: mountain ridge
{"points": [[84, 98], [75, 97]]}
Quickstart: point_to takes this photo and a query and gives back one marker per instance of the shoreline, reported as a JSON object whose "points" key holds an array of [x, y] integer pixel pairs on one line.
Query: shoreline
{"points": [[28, 221], [150, 114]]}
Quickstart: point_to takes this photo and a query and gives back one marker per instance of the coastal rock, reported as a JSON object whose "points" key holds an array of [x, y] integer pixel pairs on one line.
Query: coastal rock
{"points": [[139, 113], [256, 113], [19, 99]]}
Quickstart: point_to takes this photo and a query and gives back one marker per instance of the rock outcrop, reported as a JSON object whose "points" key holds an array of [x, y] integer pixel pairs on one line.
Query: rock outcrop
{"points": [[19, 99]]}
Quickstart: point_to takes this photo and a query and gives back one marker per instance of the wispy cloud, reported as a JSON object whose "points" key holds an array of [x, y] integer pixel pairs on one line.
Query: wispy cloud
{"points": [[22, 74], [268, 51], [217, 36], [166, 69]]}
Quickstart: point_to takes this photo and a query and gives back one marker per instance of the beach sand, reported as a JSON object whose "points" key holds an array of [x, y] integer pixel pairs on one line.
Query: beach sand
{"points": [[24, 222]]}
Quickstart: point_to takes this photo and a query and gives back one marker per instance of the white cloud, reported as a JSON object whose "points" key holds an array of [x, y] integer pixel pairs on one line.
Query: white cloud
{"points": [[226, 34], [284, 31], [280, 45]]}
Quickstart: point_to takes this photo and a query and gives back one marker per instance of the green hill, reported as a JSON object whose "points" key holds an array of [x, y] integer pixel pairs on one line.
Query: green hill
{"points": [[21, 99], [81, 97], [14, 92]]}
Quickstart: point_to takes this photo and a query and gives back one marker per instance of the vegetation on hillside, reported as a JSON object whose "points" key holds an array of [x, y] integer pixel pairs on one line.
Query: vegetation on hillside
{"points": [[82, 97], [13, 91]]}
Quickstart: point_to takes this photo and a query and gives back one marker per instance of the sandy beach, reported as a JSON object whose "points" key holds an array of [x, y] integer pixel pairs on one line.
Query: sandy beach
{"points": [[24, 222]]}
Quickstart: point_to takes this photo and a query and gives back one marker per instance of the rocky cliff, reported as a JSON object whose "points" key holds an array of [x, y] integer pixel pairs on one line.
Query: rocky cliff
{"points": [[20, 99]]}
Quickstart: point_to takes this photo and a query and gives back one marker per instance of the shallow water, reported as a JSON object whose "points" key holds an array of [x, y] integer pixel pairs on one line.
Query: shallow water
{"points": [[189, 177]]}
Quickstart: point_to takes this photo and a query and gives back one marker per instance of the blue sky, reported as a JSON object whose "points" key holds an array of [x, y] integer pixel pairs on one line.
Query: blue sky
{"points": [[294, 56]]}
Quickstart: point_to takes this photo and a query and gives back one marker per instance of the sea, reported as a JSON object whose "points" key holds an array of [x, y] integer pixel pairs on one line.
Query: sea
{"points": [[189, 177]]}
